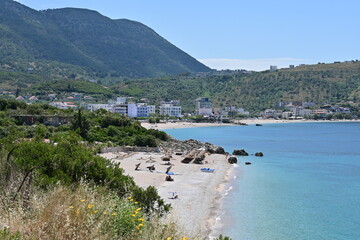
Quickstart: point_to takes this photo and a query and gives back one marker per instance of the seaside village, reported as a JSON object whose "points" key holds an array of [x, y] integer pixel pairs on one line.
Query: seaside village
{"points": [[203, 108]]}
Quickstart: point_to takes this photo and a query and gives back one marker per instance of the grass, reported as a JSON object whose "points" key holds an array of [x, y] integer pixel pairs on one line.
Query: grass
{"points": [[83, 212]]}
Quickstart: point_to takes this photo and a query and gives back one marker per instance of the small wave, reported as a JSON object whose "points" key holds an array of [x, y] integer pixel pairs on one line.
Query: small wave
{"points": [[235, 165], [227, 191], [216, 226]]}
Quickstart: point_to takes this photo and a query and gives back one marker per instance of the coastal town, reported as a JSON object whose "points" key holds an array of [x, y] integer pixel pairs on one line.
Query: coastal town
{"points": [[203, 108]]}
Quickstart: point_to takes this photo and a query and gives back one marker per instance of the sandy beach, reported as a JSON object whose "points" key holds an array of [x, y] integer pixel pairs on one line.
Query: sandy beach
{"points": [[183, 124], [199, 193]]}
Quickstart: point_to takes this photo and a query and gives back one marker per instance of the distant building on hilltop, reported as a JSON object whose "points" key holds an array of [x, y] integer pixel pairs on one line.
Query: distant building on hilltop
{"points": [[273, 68], [33, 99], [20, 98]]}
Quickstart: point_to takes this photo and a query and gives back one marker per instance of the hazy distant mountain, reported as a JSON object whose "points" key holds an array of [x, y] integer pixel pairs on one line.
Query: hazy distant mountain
{"points": [[84, 40]]}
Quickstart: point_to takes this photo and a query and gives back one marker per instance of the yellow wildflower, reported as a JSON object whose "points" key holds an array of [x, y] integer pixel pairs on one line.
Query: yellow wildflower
{"points": [[114, 214], [185, 238], [71, 207], [131, 200], [141, 225], [169, 238], [78, 211], [140, 219], [136, 202], [90, 205], [82, 200], [134, 215], [137, 227], [138, 209]]}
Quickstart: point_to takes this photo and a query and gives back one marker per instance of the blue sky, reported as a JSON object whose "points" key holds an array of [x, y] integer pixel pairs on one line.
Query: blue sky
{"points": [[239, 34]]}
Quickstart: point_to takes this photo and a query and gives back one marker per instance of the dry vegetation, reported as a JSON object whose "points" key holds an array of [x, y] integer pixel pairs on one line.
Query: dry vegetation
{"points": [[83, 213]]}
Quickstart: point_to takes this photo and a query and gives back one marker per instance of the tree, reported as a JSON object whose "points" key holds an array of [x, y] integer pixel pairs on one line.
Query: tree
{"points": [[81, 124]]}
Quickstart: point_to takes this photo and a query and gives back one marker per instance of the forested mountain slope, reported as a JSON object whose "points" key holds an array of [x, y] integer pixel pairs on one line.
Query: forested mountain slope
{"points": [[62, 42]]}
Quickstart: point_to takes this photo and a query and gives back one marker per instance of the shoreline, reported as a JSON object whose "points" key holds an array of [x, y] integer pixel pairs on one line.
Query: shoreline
{"points": [[200, 193], [215, 220], [185, 124]]}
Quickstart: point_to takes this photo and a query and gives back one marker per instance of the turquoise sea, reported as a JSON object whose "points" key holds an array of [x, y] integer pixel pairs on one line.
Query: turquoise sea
{"points": [[307, 185]]}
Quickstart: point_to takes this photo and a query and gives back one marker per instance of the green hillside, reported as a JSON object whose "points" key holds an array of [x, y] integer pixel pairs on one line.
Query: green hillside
{"points": [[68, 41], [320, 83]]}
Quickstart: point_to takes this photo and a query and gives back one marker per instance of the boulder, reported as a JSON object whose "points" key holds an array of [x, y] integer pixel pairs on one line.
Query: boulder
{"points": [[259, 154], [232, 160], [220, 150], [241, 152]]}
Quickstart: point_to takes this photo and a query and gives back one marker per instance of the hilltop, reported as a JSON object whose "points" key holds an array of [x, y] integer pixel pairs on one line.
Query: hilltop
{"points": [[76, 43]]}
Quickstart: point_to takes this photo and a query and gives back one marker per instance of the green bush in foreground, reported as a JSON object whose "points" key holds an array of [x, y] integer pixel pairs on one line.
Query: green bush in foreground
{"points": [[69, 161]]}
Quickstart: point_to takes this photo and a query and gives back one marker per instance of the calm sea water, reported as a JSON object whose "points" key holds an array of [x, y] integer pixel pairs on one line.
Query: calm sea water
{"points": [[307, 186]]}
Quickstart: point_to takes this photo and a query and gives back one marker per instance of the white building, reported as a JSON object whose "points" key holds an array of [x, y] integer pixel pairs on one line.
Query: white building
{"points": [[271, 113], [132, 110], [242, 111], [203, 106], [63, 105], [230, 109], [142, 110], [170, 110], [121, 100], [287, 114], [151, 109], [94, 107], [120, 108], [305, 112]]}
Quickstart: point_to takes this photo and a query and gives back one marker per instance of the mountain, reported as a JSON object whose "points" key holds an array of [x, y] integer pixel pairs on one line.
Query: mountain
{"points": [[61, 42]]}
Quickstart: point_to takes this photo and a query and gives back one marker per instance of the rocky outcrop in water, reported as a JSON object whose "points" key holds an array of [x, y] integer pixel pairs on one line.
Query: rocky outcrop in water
{"points": [[232, 160], [240, 152], [259, 154]]}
